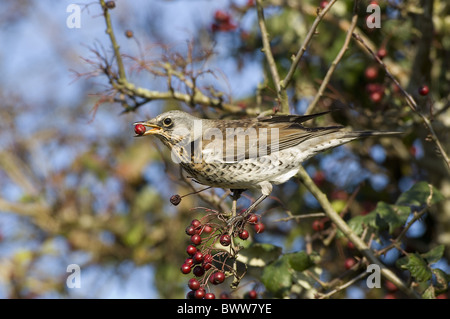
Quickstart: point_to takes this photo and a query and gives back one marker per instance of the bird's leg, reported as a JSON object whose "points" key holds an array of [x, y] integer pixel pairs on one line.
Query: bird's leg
{"points": [[266, 189], [236, 193], [235, 196]]}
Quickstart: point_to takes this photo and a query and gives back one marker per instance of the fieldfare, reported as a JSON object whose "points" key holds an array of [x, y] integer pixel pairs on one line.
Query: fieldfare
{"points": [[253, 153]]}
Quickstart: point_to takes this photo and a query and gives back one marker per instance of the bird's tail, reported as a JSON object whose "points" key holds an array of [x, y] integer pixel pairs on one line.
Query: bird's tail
{"points": [[328, 139]]}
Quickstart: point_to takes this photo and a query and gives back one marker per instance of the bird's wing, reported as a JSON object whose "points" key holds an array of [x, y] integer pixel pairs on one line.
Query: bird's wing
{"points": [[271, 119], [238, 140]]}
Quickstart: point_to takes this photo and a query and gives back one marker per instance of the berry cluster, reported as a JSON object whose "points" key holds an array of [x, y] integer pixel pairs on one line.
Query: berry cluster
{"points": [[207, 260]]}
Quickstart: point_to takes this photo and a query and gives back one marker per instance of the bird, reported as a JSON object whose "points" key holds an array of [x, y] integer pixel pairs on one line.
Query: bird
{"points": [[245, 154]]}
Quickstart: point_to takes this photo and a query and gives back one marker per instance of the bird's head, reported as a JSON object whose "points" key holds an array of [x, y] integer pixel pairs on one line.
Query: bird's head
{"points": [[171, 127]]}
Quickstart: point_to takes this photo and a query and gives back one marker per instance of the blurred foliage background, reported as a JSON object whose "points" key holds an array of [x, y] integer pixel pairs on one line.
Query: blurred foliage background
{"points": [[77, 187]]}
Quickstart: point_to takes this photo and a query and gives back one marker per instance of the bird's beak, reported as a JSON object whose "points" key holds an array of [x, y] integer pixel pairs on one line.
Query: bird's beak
{"points": [[154, 129]]}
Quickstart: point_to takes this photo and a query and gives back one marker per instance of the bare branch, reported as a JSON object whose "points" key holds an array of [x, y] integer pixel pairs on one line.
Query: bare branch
{"points": [[281, 94], [336, 61], [347, 231], [409, 100], [312, 31]]}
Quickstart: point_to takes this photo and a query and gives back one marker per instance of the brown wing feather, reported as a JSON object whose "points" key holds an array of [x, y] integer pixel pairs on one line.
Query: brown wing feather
{"points": [[261, 136]]}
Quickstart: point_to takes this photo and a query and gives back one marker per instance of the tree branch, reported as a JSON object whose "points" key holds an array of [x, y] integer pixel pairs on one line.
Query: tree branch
{"points": [[312, 31], [336, 61], [281, 94], [409, 100], [112, 37], [346, 230]]}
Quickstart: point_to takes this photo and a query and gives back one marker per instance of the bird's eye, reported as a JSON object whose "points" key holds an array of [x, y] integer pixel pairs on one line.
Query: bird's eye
{"points": [[167, 121]]}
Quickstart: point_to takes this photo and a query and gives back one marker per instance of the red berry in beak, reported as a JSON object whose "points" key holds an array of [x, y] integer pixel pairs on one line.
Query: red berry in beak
{"points": [[139, 129]]}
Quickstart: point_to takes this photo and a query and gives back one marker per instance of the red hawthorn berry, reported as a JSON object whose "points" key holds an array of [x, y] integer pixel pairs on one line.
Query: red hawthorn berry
{"points": [[376, 97], [323, 4], [225, 240], [190, 230], [191, 250], [424, 90], [374, 87], [189, 261], [349, 263], [210, 295], [185, 269], [196, 223], [390, 286], [259, 227], [244, 234], [252, 218], [252, 294], [222, 16], [196, 239], [217, 278], [204, 229], [200, 293], [317, 225], [207, 261], [198, 257], [194, 284], [139, 129], [371, 73], [381, 53]]}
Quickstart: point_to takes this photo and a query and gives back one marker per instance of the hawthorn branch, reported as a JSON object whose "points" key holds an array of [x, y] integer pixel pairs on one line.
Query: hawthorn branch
{"points": [[336, 61], [347, 231], [312, 31], [281, 94], [344, 285], [112, 37], [416, 216], [121, 84], [409, 100]]}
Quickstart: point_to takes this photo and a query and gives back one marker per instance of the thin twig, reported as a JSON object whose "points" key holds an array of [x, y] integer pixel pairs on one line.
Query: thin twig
{"points": [[298, 217], [409, 100], [416, 217], [312, 31], [343, 286], [336, 61], [112, 37], [348, 232], [281, 94]]}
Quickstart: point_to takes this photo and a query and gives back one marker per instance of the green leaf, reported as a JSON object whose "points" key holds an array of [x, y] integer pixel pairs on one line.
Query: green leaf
{"points": [[393, 215], [357, 223], [259, 255], [389, 217], [277, 277], [418, 268], [300, 261], [429, 293], [383, 217], [420, 194], [434, 254]]}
